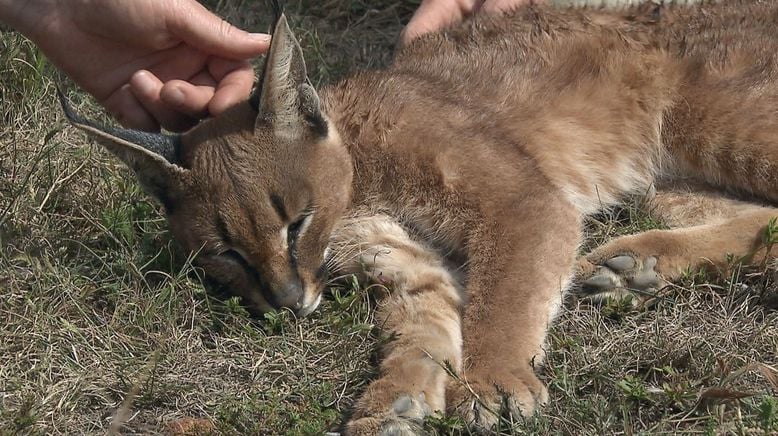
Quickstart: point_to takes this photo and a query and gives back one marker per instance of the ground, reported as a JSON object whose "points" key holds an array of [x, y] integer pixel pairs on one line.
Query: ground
{"points": [[104, 327]]}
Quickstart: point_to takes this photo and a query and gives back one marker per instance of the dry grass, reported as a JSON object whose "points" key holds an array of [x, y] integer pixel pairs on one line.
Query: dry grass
{"points": [[97, 304]]}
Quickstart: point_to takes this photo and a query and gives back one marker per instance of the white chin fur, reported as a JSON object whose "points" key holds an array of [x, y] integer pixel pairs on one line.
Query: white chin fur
{"points": [[309, 308]]}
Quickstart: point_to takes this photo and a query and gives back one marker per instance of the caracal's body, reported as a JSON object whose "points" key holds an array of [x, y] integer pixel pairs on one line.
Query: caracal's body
{"points": [[459, 177]]}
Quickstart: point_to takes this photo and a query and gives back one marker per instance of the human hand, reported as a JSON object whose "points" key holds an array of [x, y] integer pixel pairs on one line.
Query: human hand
{"points": [[151, 63], [434, 15]]}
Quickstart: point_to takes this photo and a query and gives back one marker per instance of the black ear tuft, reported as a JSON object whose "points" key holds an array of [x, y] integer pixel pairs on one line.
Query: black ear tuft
{"points": [[166, 146], [278, 9], [151, 156], [68, 109]]}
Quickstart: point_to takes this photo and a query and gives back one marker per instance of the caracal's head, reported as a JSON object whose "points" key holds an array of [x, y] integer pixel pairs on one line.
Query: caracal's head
{"points": [[256, 192]]}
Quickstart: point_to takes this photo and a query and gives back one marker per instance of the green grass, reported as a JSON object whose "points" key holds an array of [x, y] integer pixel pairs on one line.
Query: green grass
{"points": [[101, 316]]}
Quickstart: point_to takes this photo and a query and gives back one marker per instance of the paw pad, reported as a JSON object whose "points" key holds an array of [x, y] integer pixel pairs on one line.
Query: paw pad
{"points": [[403, 418], [620, 263], [410, 407], [624, 275]]}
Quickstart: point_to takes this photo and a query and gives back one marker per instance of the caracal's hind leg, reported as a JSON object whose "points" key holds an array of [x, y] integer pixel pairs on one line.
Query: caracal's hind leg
{"points": [[419, 309], [723, 129], [708, 231]]}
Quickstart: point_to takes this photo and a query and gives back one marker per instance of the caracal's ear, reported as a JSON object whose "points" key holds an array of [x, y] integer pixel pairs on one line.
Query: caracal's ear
{"points": [[152, 156], [285, 97]]}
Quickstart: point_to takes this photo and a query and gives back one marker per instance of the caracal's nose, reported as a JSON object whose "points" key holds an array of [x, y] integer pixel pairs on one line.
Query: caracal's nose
{"points": [[289, 296]]}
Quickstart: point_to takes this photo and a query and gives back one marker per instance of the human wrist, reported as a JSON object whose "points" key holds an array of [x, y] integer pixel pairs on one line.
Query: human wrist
{"points": [[8, 12]]}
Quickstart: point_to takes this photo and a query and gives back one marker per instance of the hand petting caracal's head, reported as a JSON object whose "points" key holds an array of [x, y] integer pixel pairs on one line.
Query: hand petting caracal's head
{"points": [[255, 192]]}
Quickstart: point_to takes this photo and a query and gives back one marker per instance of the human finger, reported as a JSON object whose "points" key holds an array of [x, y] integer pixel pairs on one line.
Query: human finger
{"points": [[147, 89], [128, 111], [197, 26], [190, 97], [235, 80], [433, 15]]}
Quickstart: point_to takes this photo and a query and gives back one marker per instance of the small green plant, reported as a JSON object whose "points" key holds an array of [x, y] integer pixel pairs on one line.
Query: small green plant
{"points": [[127, 221], [344, 297], [710, 427], [234, 306], [617, 309], [441, 424], [25, 416], [276, 321], [693, 276], [768, 414], [634, 388], [770, 236]]}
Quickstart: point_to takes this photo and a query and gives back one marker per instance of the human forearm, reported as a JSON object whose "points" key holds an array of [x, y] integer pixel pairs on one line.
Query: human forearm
{"points": [[30, 17], [8, 11]]}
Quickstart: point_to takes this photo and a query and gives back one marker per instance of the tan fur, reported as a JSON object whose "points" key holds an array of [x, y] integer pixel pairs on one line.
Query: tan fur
{"points": [[709, 232], [420, 304], [457, 180]]}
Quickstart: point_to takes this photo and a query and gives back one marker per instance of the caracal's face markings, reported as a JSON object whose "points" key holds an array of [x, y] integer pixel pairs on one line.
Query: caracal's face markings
{"points": [[256, 192], [262, 210]]}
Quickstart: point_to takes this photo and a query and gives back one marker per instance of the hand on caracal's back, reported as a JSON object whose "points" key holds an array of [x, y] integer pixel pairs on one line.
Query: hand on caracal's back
{"points": [[434, 15]]}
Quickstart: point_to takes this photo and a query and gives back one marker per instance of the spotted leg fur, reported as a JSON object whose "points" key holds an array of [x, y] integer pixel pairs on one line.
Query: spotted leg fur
{"points": [[419, 309]]}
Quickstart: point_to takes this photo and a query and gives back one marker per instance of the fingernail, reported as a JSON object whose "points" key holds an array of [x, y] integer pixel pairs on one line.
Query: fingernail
{"points": [[143, 83], [261, 37], [177, 97]]}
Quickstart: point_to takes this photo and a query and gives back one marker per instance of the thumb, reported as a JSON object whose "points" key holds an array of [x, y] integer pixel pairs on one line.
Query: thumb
{"points": [[198, 27], [506, 6]]}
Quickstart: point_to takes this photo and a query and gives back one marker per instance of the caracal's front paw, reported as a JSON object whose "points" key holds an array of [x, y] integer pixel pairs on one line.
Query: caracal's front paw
{"points": [[620, 276], [485, 398], [405, 417]]}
